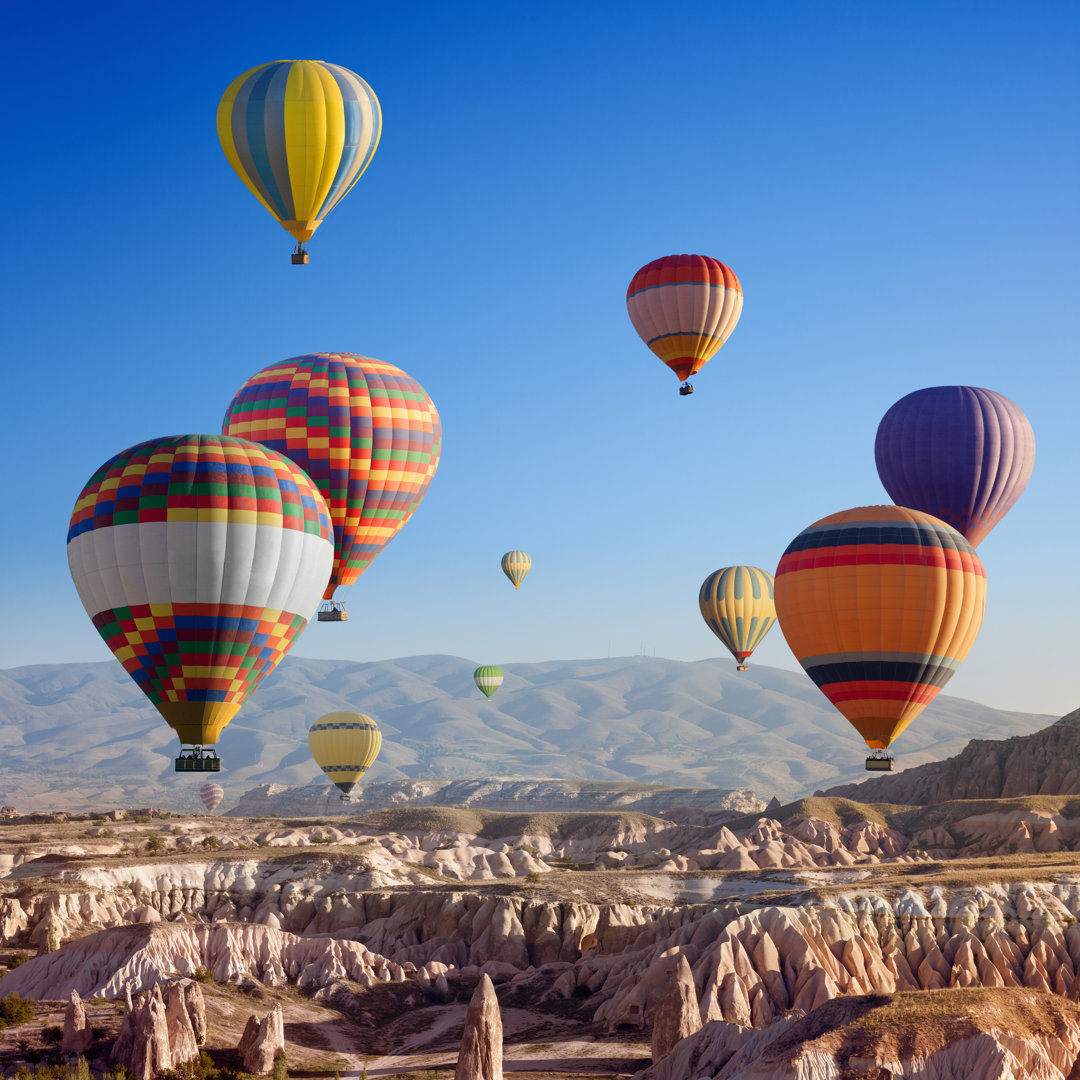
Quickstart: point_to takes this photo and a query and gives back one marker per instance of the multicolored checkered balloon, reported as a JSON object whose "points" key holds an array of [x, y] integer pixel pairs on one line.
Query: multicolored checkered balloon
{"points": [[200, 558], [363, 430]]}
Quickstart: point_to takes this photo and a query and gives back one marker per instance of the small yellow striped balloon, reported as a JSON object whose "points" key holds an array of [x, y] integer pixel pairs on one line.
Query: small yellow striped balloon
{"points": [[299, 133], [345, 745], [737, 604], [515, 565]]}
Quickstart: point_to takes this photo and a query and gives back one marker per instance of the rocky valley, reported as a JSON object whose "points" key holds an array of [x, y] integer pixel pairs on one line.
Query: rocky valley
{"points": [[787, 943]]}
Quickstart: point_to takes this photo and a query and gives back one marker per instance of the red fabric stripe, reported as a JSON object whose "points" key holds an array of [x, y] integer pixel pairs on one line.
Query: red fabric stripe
{"points": [[886, 555]]}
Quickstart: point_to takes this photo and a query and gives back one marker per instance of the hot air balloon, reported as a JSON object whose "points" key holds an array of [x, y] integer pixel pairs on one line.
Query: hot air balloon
{"points": [[199, 558], [515, 565], [880, 604], [211, 795], [488, 680], [299, 133], [961, 453], [345, 745], [737, 604], [363, 430], [684, 308]]}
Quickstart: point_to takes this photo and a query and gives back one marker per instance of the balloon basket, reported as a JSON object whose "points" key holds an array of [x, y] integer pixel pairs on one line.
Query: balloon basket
{"points": [[879, 763], [197, 759], [685, 390], [741, 667], [332, 611], [299, 256]]}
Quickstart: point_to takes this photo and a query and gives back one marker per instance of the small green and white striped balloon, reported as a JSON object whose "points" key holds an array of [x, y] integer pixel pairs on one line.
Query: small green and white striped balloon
{"points": [[488, 679]]}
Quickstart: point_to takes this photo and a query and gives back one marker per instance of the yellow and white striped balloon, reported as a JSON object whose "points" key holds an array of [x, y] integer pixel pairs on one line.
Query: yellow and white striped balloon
{"points": [[515, 565], [737, 604]]}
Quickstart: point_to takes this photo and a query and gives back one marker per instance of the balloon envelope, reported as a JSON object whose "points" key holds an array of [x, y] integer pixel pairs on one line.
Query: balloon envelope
{"points": [[961, 453], [211, 795], [299, 133], [199, 558], [362, 429], [488, 679], [345, 745], [515, 565], [737, 605], [684, 307], [880, 604]]}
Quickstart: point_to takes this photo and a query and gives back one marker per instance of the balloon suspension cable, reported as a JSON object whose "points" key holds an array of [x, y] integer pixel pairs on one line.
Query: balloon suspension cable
{"points": [[299, 256]]}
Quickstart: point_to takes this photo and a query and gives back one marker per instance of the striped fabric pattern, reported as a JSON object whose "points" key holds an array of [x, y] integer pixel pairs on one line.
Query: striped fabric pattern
{"points": [[199, 559], [488, 679], [299, 133], [211, 795], [364, 431], [345, 745], [684, 307], [880, 604], [736, 603], [515, 565]]}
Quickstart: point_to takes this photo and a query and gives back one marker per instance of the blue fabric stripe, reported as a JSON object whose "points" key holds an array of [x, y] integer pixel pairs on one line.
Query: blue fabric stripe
{"points": [[353, 128], [253, 118], [276, 146], [845, 534], [926, 674], [687, 333]]}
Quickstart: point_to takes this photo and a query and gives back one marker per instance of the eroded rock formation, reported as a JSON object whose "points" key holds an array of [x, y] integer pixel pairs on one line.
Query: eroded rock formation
{"points": [[77, 1036], [481, 1053], [262, 1041], [677, 1015], [158, 1031]]}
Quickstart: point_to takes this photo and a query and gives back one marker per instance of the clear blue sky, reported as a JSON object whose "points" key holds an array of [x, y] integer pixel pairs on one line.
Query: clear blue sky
{"points": [[895, 186]]}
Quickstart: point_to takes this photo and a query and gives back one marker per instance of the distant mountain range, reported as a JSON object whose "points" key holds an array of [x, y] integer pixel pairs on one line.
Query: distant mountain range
{"points": [[78, 736]]}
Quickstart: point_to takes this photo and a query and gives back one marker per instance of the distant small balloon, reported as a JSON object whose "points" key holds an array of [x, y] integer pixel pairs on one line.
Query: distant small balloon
{"points": [[737, 605], [515, 565], [345, 745], [488, 679], [211, 795]]}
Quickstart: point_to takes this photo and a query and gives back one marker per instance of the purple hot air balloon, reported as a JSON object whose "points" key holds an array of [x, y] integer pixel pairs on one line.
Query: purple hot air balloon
{"points": [[961, 453]]}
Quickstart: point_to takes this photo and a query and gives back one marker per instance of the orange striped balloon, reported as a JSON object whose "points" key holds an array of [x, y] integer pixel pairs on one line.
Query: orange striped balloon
{"points": [[880, 605]]}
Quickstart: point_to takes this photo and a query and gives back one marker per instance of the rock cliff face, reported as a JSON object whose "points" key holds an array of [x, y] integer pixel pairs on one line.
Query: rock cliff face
{"points": [[988, 1034], [1045, 763]]}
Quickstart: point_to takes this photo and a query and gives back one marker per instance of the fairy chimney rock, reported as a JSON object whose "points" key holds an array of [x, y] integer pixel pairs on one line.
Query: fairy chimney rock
{"points": [[482, 1043], [263, 1041], [676, 1013], [77, 1037]]}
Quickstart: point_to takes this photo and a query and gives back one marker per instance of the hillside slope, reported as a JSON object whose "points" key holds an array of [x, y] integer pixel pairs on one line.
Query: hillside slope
{"points": [[1047, 762], [81, 735]]}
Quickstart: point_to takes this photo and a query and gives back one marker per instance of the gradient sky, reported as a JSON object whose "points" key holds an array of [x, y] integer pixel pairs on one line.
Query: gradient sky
{"points": [[895, 186]]}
